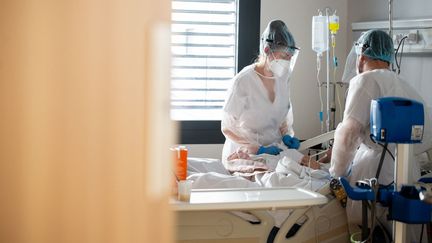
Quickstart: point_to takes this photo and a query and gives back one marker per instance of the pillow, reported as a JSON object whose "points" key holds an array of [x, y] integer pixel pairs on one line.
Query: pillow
{"points": [[204, 165]]}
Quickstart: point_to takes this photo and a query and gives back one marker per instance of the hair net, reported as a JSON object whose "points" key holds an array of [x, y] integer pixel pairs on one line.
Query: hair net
{"points": [[277, 36], [376, 44]]}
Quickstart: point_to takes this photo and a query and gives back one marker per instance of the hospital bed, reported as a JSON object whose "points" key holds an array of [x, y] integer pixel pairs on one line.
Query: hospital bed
{"points": [[306, 223], [324, 223]]}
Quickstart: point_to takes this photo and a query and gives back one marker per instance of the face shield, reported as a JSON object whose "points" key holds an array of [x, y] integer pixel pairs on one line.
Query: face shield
{"points": [[282, 47], [350, 66], [284, 60], [293, 52]]}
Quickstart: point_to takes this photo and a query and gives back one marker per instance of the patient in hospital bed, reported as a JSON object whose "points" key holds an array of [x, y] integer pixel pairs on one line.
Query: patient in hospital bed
{"points": [[241, 170], [243, 164], [288, 169]]}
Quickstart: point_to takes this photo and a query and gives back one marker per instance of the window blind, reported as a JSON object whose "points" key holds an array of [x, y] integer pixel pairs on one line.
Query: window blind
{"points": [[203, 45]]}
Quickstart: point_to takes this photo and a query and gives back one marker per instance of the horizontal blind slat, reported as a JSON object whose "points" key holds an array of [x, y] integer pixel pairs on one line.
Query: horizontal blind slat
{"points": [[189, 11], [205, 1], [203, 43]]}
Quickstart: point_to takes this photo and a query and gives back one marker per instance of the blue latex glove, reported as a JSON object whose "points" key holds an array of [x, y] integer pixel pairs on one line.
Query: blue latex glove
{"points": [[291, 142], [269, 150]]}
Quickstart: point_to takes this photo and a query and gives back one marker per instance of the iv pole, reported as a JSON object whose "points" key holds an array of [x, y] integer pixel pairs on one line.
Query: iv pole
{"points": [[402, 152], [328, 76], [330, 95]]}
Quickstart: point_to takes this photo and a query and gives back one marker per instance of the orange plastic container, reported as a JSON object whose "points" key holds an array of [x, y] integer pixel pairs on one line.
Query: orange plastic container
{"points": [[180, 162]]}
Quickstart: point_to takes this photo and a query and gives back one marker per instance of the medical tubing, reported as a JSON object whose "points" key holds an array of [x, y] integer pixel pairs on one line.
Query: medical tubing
{"points": [[335, 63], [320, 92], [338, 98]]}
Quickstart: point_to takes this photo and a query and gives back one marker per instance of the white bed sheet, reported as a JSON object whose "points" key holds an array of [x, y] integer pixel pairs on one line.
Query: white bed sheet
{"points": [[210, 173]]}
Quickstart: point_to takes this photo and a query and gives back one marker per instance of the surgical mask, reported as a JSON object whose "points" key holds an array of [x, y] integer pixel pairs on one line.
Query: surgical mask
{"points": [[280, 67]]}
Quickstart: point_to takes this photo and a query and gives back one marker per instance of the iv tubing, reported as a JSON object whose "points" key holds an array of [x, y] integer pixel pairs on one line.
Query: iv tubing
{"points": [[320, 91], [337, 94]]}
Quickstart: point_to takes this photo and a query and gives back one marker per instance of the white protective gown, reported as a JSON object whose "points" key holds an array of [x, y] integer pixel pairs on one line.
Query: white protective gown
{"points": [[249, 113], [355, 129]]}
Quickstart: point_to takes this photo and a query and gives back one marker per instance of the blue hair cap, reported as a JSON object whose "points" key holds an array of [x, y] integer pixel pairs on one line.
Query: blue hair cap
{"points": [[377, 45]]}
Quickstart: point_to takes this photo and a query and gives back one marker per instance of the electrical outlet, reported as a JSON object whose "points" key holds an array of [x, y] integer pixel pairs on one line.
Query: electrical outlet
{"points": [[397, 38], [413, 37]]}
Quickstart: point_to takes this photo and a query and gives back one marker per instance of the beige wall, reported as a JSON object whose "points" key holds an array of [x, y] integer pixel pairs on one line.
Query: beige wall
{"points": [[304, 92], [415, 68], [76, 102]]}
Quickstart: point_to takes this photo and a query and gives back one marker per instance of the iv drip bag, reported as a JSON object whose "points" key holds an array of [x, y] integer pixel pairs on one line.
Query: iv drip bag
{"points": [[319, 34], [334, 24]]}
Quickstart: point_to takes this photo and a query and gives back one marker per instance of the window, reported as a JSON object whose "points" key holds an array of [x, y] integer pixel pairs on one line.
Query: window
{"points": [[204, 57], [209, 46]]}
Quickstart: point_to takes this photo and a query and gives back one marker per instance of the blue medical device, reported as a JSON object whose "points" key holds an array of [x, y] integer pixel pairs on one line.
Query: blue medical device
{"points": [[401, 121], [396, 120]]}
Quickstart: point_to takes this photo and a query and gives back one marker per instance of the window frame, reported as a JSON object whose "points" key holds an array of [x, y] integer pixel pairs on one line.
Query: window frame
{"points": [[248, 39]]}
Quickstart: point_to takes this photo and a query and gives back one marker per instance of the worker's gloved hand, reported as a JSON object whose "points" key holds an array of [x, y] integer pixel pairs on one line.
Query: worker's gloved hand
{"points": [[274, 150], [291, 142]]}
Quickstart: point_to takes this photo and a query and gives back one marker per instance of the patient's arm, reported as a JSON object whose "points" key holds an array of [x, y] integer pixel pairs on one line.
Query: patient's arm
{"points": [[326, 158], [306, 160], [310, 162], [314, 164], [239, 154]]}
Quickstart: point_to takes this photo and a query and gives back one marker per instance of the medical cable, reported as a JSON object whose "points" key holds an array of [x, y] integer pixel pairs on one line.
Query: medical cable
{"points": [[381, 161], [380, 144], [401, 53], [401, 42], [383, 227], [375, 188], [421, 233]]}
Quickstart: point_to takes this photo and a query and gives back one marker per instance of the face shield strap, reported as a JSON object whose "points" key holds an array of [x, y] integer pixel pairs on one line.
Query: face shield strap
{"points": [[289, 49], [360, 48]]}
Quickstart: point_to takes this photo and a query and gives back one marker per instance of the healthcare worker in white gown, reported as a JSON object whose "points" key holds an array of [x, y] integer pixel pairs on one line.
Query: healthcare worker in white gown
{"points": [[354, 154], [257, 115]]}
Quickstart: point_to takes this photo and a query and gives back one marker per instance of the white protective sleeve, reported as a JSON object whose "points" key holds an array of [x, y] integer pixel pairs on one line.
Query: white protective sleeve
{"points": [[287, 126], [235, 104], [232, 130], [348, 137]]}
